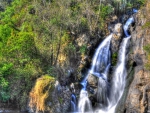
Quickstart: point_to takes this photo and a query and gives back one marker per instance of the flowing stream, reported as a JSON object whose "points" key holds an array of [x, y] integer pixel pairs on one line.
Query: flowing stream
{"points": [[108, 92], [73, 103]]}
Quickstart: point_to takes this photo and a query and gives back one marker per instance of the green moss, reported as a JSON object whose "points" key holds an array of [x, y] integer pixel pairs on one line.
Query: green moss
{"points": [[147, 49], [60, 100], [146, 25], [114, 58]]}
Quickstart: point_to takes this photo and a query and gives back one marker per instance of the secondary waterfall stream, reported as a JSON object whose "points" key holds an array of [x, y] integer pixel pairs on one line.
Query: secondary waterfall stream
{"points": [[110, 92], [118, 81]]}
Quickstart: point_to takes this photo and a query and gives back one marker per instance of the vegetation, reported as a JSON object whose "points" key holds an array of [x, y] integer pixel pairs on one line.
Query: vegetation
{"points": [[5, 71], [147, 49], [114, 58]]}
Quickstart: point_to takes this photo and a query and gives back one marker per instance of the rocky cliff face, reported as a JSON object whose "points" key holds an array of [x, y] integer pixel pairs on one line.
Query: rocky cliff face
{"points": [[138, 97]]}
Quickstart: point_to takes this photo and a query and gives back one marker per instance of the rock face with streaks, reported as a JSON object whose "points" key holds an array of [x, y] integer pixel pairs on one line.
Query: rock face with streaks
{"points": [[138, 96]]}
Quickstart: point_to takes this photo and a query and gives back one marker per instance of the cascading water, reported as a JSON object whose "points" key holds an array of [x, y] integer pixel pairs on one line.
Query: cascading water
{"points": [[126, 26], [84, 104], [118, 81], [108, 93], [99, 67], [101, 58], [73, 103]]}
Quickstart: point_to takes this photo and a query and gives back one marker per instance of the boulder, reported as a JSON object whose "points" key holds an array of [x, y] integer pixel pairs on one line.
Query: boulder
{"points": [[118, 31], [92, 80]]}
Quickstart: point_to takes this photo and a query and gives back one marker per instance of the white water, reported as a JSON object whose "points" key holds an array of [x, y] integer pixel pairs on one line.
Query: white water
{"points": [[126, 26], [118, 81], [73, 103], [84, 104], [107, 97], [101, 57], [100, 64]]}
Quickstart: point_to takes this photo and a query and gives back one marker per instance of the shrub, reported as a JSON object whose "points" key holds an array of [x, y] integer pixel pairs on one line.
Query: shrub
{"points": [[5, 70], [83, 49], [40, 92], [114, 58]]}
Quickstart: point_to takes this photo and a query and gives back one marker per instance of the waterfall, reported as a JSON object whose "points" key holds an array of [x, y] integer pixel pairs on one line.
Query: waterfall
{"points": [[126, 26], [118, 81], [108, 93], [84, 104], [73, 103], [101, 57], [101, 62]]}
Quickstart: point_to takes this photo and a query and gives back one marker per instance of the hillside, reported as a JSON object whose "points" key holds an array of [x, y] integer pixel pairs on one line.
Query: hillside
{"points": [[47, 41]]}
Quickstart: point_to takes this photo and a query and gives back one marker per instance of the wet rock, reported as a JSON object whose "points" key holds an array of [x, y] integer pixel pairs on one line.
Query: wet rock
{"points": [[138, 59], [1, 8], [118, 31], [92, 80], [57, 87], [60, 101]]}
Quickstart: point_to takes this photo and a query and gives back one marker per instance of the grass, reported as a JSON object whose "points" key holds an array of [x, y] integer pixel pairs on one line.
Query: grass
{"points": [[40, 92]]}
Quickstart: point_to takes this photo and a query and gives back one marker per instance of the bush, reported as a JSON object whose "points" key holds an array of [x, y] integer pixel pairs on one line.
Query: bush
{"points": [[83, 49], [39, 94], [114, 58], [5, 70]]}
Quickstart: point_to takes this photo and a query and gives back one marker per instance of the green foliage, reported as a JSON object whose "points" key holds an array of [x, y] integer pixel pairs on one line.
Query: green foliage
{"points": [[147, 49], [141, 2], [83, 49], [121, 5], [5, 70], [84, 23], [5, 32], [105, 10], [23, 44], [147, 64], [114, 58], [146, 25], [71, 47], [17, 48]]}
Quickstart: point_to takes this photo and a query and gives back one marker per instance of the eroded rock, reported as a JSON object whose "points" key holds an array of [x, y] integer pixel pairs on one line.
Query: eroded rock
{"points": [[138, 96], [118, 31]]}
